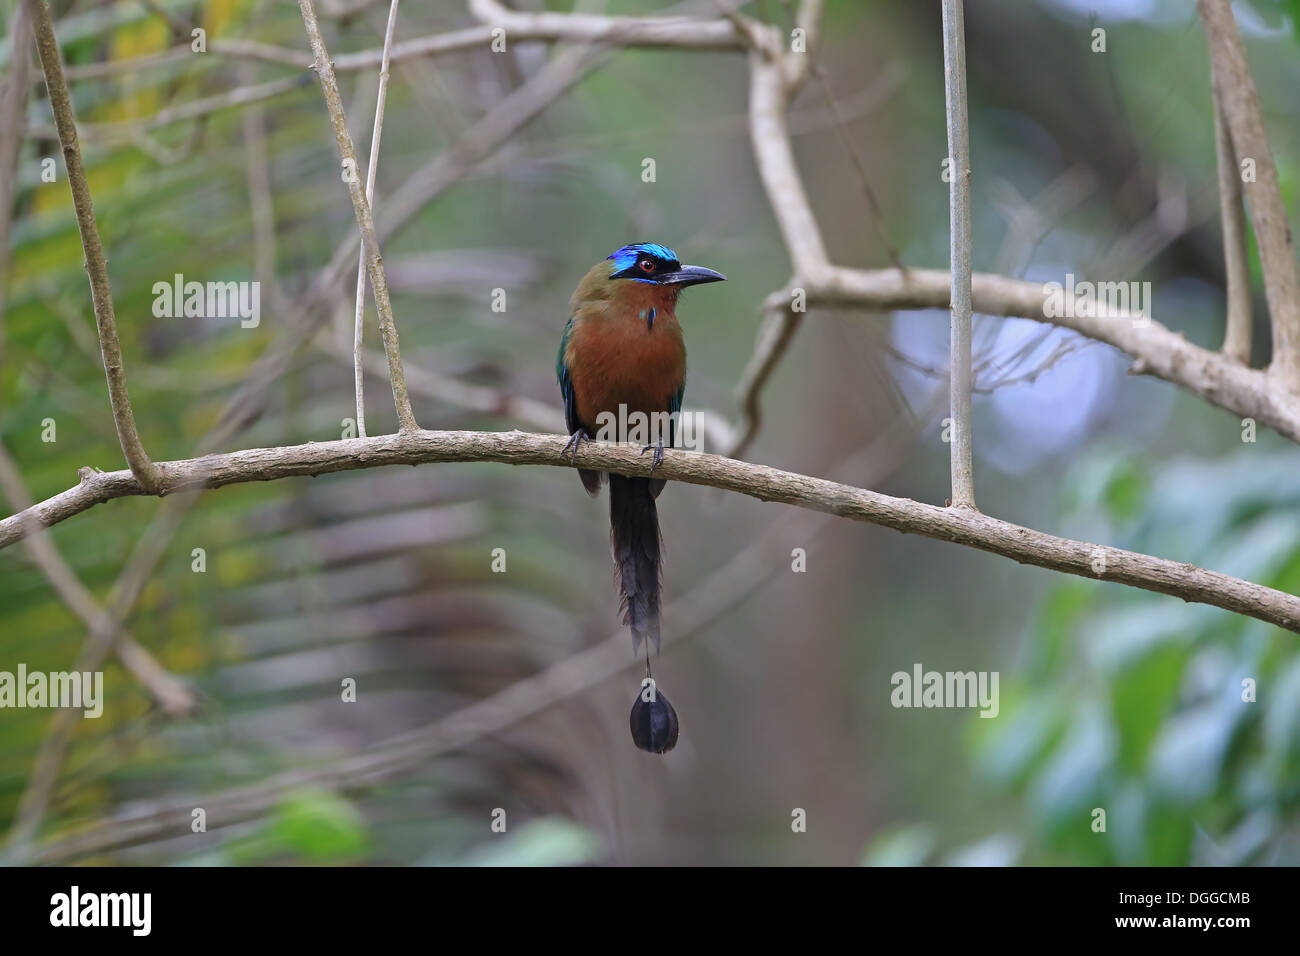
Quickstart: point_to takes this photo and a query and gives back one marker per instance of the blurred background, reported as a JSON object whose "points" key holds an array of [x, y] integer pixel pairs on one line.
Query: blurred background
{"points": [[1100, 164]]}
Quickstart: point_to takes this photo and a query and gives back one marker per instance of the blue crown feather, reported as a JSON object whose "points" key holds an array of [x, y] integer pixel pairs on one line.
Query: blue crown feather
{"points": [[626, 257]]}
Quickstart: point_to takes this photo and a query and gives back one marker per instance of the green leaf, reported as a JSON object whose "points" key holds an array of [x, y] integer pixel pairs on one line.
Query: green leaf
{"points": [[318, 825], [1281, 730], [1014, 746], [1076, 774], [1271, 11], [1169, 837], [1141, 697], [1124, 493]]}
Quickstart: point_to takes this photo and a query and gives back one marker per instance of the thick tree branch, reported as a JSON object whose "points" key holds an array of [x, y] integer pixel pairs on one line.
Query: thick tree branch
{"points": [[1218, 379], [721, 590], [774, 77], [96, 265], [1245, 121], [768, 99], [959, 252], [960, 526], [807, 18], [370, 241]]}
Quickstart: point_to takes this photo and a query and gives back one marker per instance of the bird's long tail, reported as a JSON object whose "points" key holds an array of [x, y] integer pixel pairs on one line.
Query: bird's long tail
{"points": [[634, 539]]}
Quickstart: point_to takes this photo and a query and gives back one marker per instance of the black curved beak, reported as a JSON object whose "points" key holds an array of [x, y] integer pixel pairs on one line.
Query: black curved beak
{"points": [[691, 275]]}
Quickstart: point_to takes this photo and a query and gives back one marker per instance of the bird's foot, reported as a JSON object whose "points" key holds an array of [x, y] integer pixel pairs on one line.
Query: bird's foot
{"points": [[658, 457], [574, 443]]}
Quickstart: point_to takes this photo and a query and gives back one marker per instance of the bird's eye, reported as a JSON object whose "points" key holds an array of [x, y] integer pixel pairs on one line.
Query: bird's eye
{"points": [[647, 265]]}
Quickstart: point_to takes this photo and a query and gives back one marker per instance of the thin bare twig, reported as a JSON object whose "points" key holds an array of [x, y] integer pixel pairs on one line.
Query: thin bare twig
{"points": [[780, 323], [358, 337], [683, 32], [426, 184], [959, 251], [261, 203], [1029, 221], [96, 265], [13, 125], [128, 131], [1156, 350], [365, 220]]}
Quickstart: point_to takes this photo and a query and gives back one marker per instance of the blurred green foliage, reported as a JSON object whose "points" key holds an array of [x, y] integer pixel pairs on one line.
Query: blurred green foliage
{"points": [[1111, 699], [1182, 722]]}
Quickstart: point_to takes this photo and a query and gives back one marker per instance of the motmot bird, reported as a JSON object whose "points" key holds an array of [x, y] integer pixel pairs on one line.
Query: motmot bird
{"points": [[622, 350]]}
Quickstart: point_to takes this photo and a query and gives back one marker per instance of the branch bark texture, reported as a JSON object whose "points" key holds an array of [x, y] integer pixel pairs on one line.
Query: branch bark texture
{"points": [[1245, 120], [96, 265], [960, 526]]}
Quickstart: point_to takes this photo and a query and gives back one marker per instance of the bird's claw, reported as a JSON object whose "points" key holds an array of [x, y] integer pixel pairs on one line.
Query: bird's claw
{"points": [[658, 457], [574, 443]]}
